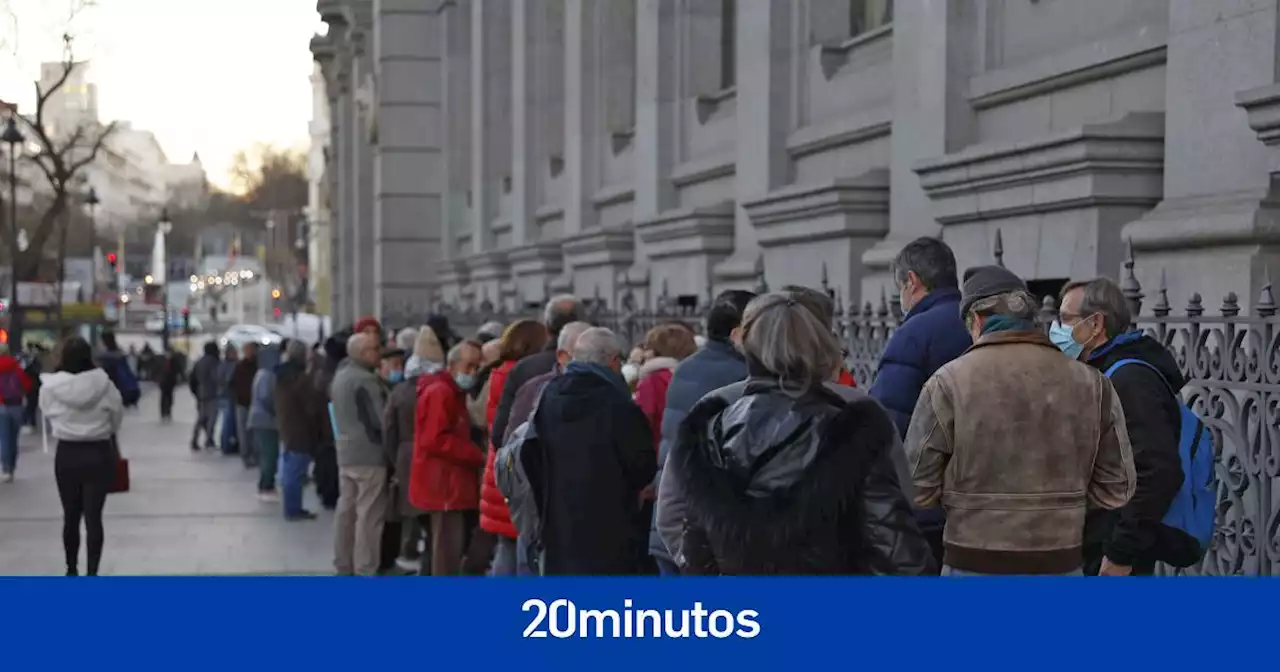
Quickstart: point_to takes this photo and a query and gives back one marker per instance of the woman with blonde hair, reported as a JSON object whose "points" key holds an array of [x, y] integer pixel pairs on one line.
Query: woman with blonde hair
{"points": [[791, 452], [665, 346]]}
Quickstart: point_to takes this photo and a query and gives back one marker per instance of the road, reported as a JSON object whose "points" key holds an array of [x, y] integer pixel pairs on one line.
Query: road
{"points": [[187, 514]]}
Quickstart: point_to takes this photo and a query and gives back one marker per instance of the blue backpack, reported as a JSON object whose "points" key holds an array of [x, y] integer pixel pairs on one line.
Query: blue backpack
{"points": [[1194, 509], [130, 391]]}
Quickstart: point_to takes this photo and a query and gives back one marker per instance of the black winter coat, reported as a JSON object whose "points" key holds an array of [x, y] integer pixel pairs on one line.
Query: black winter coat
{"points": [[1133, 535], [597, 455], [777, 485]]}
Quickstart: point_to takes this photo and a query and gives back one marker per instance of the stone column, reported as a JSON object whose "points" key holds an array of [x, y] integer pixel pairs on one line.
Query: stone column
{"points": [[407, 159], [344, 239], [360, 35], [526, 33], [454, 31], [764, 82], [583, 129], [657, 106], [490, 112], [932, 43], [328, 52], [1214, 232]]}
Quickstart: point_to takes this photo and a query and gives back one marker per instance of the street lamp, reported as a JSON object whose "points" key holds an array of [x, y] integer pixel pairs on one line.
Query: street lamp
{"points": [[91, 200], [13, 138], [165, 226]]}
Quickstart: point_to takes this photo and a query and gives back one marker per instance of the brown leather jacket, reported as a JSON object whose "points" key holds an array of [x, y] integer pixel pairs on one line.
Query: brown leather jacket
{"points": [[1015, 440]]}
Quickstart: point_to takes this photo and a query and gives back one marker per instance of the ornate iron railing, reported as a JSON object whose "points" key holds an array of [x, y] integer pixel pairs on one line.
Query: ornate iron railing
{"points": [[1231, 363]]}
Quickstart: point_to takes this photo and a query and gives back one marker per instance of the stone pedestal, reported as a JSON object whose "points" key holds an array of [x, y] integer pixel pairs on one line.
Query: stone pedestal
{"points": [[684, 245]]}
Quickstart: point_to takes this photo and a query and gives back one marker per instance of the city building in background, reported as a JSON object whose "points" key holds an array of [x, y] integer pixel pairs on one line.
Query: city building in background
{"points": [[502, 149]]}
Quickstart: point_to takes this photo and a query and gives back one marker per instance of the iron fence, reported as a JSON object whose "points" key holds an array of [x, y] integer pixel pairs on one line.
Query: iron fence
{"points": [[1231, 363]]}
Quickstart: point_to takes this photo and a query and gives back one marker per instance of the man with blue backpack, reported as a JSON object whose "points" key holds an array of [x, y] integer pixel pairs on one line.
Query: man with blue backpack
{"points": [[1170, 517]]}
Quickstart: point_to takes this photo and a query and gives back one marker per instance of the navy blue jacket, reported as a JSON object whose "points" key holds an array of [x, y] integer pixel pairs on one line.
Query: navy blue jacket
{"points": [[716, 365], [931, 334]]}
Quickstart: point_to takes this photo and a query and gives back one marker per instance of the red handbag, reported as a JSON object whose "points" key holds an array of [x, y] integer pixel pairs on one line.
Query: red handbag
{"points": [[120, 482]]}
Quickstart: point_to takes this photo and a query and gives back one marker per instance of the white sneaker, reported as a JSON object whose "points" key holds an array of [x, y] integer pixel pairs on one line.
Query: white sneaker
{"points": [[8, 477], [408, 565], [28, 430], [268, 496]]}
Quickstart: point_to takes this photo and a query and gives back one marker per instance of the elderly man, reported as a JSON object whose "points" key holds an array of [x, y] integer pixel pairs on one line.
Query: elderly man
{"points": [[596, 456], [300, 419], [358, 398], [1094, 327], [1016, 441], [442, 480], [560, 310]]}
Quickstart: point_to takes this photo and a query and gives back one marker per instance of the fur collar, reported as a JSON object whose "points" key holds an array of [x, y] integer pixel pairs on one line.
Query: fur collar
{"points": [[658, 364]]}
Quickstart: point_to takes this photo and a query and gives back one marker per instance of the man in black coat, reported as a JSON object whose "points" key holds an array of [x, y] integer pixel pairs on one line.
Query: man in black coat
{"points": [[560, 311], [594, 456], [1094, 326]]}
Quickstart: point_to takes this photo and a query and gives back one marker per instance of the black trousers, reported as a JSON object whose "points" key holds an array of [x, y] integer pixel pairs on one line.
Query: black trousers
{"points": [[84, 471], [166, 402], [326, 475]]}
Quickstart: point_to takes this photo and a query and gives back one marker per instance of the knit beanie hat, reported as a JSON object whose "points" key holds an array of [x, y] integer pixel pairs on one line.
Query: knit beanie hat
{"points": [[982, 282]]}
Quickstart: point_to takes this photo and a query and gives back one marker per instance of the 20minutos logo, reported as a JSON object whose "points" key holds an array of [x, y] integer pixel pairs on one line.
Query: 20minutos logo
{"points": [[562, 619]]}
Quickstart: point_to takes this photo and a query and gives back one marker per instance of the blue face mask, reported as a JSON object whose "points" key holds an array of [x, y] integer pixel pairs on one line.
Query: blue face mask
{"points": [[1062, 337], [464, 380], [395, 376]]}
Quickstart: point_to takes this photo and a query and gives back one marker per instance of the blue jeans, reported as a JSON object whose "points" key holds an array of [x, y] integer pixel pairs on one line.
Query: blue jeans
{"points": [[267, 442], [295, 469], [10, 423], [227, 435], [666, 567]]}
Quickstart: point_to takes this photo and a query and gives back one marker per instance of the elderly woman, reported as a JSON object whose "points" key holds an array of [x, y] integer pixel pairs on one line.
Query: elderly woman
{"points": [[791, 452], [397, 440]]}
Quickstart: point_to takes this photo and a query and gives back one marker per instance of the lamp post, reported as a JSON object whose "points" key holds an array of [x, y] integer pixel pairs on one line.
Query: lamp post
{"points": [[165, 226], [91, 200], [13, 138]]}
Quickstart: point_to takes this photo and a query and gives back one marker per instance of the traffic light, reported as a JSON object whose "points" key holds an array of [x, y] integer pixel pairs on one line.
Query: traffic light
{"points": [[276, 312], [113, 260]]}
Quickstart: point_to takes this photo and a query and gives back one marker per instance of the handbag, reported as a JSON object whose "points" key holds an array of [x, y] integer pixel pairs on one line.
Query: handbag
{"points": [[120, 478]]}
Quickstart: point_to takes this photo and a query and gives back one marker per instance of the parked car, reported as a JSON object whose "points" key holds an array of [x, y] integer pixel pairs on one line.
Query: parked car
{"points": [[248, 333], [155, 323]]}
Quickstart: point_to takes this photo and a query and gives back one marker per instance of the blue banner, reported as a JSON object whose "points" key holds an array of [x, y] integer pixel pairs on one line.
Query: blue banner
{"points": [[661, 625]]}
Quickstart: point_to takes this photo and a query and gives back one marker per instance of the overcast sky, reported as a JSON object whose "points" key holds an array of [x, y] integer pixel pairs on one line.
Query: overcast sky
{"points": [[212, 76]]}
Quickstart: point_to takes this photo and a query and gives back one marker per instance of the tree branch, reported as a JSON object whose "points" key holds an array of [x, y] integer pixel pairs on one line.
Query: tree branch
{"points": [[93, 150]]}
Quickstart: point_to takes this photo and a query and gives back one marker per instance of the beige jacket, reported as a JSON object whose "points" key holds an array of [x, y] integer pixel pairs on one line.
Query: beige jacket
{"points": [[1015, 440]]}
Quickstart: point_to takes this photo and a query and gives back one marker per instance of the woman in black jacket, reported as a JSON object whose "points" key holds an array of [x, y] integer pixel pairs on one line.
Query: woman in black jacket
{"points": [[787, 473]]}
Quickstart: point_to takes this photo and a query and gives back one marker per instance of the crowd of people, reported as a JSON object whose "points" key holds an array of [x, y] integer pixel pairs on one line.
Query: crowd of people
{"points": [[989, 443]]}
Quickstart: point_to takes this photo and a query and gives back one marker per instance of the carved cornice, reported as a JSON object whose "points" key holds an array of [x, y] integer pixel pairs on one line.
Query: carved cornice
{"points": [[491, 265], [1119, 163], [689, 232], [600, 247], [1262, 105], [453, 272], [841, 208], [536, 259]]}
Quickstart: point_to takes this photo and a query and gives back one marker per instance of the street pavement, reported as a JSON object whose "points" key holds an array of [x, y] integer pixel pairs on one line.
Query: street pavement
{"points": [[187, 513]]}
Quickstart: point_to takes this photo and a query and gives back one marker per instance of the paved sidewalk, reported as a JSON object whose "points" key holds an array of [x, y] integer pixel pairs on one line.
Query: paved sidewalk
{"points": [[188, 513]]}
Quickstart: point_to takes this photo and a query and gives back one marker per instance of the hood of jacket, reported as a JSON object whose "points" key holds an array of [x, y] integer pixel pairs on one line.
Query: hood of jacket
{"points": [[658, 364], [1137, 345], [9, 364], [79, 391], [289, 370], [579, 392]]}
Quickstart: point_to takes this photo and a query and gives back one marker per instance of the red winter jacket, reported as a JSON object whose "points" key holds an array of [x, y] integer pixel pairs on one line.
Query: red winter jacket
{"points": [[443, 475], [10, 366], [495, 517], [651, 393], [846, 378]]}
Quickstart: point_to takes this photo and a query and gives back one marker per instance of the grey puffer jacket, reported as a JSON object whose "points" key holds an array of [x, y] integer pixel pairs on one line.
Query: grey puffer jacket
{"points": [[262, 411]]}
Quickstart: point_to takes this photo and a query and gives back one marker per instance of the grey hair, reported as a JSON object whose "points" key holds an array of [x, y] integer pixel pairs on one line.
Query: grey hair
{"points": [[296, 351], [455, 353], [790, 342], [597, 345], [1104, 297], [406, 339], [560, 311], [570, 334], [353, 344], [1018, 304]]}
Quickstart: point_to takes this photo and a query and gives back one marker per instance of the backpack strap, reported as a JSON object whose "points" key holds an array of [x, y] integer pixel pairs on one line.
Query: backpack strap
{"points": [[1112, 369]]}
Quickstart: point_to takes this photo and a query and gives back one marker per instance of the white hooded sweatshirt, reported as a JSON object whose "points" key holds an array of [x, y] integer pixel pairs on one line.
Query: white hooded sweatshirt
{"points": [[81, 406]]}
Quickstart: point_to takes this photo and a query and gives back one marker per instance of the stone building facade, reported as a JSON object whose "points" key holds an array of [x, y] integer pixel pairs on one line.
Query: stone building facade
{"points": [[631, 149]]}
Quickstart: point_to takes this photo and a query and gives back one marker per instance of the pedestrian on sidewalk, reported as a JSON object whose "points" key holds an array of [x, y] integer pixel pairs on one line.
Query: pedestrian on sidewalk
{"points": [[522, 339], [445, 459], [85, 410], [204, 385], [717, 364], [34, 366], [170, 371], [792, 452], [1016, 441], [300, 419], [227, 437], [1094, 326], [932, 334], [397, 442], [242, 396], [14, 386], [323, 370], [358, 399], [262, 422]]}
